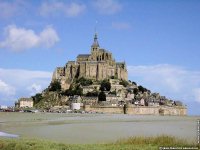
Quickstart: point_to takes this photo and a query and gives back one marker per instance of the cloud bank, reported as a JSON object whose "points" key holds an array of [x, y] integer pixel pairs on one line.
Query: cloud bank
{"points": [[19, 39], [173, 81], [15, 83], [6, 89]]}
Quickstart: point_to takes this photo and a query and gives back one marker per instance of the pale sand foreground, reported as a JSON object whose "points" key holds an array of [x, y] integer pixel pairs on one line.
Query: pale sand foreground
{"points": [[95, 128]]}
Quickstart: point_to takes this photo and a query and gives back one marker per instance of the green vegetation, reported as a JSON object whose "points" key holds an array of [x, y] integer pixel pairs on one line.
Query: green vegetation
{"points": [[55, 86], [113, 92], [133, 143], [84, 82], [105, 85], [77, 90], [124, 83], [37, 98], [102, 96], [142, 89], [94, 93], [134, 83], [113, 77], [135, 91]]}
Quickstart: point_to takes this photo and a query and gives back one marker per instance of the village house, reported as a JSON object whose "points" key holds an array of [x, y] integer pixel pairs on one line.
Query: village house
{"points": [[25, 102], [154, 102], [142, 102], [111, 97], [90, 100]]}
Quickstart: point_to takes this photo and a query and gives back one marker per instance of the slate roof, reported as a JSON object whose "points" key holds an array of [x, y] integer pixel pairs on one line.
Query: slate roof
{"points": [[83, 55]]}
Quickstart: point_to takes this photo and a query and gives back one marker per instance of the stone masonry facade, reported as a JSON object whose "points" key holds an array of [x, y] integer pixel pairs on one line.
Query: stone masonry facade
{"points": [[97, 65]]}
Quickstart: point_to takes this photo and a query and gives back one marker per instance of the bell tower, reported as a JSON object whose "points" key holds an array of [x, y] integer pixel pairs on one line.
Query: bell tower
{"points": [[95, 44], [95, 47]]}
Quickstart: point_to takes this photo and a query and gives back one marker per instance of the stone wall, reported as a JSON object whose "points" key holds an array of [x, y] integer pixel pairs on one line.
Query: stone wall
{"points": [[105, 109], [139, 110], [152, 110]]}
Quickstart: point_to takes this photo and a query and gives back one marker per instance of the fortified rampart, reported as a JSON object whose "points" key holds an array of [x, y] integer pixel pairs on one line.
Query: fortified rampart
{"points": [[139, 110], [105, 109]]}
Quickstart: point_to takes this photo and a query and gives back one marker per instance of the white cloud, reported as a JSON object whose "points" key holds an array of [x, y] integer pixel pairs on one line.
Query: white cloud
{"points": [[35, 88], [172, 81], [61, 8], [121, 25], [20, 76], [6, 89], [24, 83], [107, 7], [19, 39]]}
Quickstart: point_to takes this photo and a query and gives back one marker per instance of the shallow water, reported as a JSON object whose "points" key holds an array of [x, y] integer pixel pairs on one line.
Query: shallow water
{"points": [[3, 134], [96, 128]]}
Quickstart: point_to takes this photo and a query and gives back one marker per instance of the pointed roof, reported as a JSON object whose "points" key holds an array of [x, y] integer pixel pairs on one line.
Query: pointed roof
{"points": [[95, 43]]}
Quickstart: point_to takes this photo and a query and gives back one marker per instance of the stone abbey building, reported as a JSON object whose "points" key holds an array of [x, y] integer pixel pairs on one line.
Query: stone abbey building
{"points": [[97, 65]]}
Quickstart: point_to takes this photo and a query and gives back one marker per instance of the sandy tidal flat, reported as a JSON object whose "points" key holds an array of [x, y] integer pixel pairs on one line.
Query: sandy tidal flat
{"points": [[95, 128]]}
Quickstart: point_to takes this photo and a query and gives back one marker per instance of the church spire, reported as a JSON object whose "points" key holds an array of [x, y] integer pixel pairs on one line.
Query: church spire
{"points": [[95, 43]]}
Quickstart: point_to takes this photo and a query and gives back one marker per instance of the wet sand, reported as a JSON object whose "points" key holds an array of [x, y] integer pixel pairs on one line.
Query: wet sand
{"points": [[95, 128]]}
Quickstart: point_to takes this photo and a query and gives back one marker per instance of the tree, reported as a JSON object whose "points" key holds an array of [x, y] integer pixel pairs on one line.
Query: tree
{"points": [[124, 83], [84, 82], [105, 85], [78, 91], [93, 93], [134, 83], [142, 89], [102, 96], [135, 91], [37, 98], [73, 91], [55, 86]]}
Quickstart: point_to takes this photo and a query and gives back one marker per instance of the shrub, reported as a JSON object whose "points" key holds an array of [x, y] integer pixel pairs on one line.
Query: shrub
{"points": [[102, 96], [84, 82], [134, 83], [71, 92], [94, 93], [135, 91], [142, 89], [37, 98], [124, 83], [55, 86], [105, 85], [113, 92]]}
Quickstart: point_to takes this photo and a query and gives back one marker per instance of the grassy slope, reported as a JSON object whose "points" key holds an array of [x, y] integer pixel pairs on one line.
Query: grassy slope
{"points": [[147, 143]]}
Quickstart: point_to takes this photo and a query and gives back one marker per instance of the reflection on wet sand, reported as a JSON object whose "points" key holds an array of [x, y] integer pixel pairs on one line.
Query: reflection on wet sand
{"points": [[3, 134]]}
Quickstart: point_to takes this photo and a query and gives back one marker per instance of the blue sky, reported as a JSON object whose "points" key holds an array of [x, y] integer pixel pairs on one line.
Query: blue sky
{"points": [[159, 40]]}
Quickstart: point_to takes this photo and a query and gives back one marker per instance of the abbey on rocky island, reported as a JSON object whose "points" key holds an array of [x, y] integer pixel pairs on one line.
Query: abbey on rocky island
{"points": [[98, 65]]}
